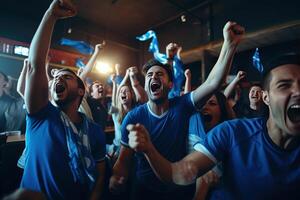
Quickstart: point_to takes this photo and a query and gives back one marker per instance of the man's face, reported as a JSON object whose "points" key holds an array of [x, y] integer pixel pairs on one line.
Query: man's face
{"points": [[283, 98], [157, 84], [64, 87], [255, 95], [97, 90]]}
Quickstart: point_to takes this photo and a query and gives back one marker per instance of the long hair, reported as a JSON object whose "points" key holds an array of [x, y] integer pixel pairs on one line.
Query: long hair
{"points": [[226, 113], [121, 111]]}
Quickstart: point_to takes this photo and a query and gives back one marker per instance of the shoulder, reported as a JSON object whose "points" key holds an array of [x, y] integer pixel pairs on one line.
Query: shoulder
{"points": [[239, 129], [138, 110]]}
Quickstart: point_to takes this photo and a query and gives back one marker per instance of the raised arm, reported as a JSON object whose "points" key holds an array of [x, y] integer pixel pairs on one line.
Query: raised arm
{"points": [[22, 79], [183, 172], [138, 90], [231, 86], [233, 34], [188, 80], [91, 63], [36, 86], [114, 90]]}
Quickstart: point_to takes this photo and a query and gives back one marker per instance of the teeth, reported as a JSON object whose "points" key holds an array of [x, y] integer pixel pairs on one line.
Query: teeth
{"points": [[295, 106]]}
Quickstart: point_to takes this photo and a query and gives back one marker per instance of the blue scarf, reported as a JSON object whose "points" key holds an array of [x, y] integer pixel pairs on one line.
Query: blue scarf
{"points": [[81, 162]]}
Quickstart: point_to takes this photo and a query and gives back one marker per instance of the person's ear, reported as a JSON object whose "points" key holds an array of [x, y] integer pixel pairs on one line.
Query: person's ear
{"points": [[265, 97], [81, 91]]}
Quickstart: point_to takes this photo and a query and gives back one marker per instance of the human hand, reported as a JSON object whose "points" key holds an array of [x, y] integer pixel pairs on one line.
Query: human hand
{"points": [[172, 49], [61, 9], [188, 74], [139, 139], [233, 33]]}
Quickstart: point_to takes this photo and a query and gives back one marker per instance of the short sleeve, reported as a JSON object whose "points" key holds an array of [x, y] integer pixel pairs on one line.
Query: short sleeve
{"points": [[217, 143]]}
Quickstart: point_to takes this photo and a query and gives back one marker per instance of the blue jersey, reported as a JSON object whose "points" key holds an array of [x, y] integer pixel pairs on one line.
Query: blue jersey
{"points": [[196, 130], [253, 166], [47, 165], [168, 133]]}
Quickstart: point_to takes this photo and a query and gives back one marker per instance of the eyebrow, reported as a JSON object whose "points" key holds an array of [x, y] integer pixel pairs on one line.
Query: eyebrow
{"points": [[284, 81]]}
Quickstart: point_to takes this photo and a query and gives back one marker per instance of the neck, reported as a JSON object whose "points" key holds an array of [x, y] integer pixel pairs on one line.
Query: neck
{"points": [[71, 111], [280, 138], [160, 108], [255, 106], [126, 107]]}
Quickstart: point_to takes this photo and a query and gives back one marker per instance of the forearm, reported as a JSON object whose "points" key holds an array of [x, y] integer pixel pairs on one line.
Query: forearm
{"points": [[221, 69], [22, 81], [139, 91], [114, 94], [187, 85], [36, 86], [41, 42], [161, 166], [230, 88], [89, 66], [216, 76], [98, 189]]}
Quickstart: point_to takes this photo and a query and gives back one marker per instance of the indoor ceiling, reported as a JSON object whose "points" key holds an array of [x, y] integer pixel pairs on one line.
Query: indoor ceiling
{"points": [[133, 17], [126, 17]]}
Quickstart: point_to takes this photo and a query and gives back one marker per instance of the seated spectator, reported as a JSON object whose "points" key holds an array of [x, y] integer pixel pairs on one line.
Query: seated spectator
{"points": [[12, 114]]}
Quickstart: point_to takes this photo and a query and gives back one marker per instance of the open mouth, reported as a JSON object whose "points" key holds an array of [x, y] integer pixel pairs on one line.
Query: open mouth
{"points": [[123, 97], [293, 113], [59, 88], [207, 117], [155, 87]]}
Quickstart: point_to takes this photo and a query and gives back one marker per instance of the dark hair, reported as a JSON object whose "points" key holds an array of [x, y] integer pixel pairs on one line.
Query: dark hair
{"points": [[4, 75], [255, 85], [283, 59], [79, 81], [154, 62], [224, 108], [91, 86]]}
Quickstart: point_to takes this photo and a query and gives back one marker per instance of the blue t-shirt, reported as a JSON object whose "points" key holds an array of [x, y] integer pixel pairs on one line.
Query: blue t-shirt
{"points": [[253, 166], [47, 165], [196, 126], [168, 133]]}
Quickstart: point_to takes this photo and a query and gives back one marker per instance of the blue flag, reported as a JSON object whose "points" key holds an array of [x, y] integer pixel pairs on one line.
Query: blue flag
{"points": [[177, 64], [80, 46], [153, 47], [79, 63], [256, 61]]}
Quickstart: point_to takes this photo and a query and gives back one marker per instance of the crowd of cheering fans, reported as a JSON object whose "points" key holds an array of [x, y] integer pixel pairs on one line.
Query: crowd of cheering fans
{"points": [[206, 143]]}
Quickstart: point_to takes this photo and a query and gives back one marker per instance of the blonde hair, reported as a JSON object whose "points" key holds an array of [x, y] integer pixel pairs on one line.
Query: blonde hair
{"points": [[121, 111]]}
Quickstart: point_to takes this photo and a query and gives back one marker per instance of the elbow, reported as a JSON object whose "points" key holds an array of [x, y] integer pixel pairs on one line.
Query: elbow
{"points": [[185, 174]]}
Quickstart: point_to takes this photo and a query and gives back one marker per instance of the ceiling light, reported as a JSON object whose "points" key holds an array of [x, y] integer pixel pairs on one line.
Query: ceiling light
{"points": [[103, 68]]}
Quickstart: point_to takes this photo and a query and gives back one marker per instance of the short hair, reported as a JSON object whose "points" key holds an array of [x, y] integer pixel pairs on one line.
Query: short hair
{"points": [[283, 59], [154, 62], [79, 81], [5, 76], [91, 86], [255, 85]]}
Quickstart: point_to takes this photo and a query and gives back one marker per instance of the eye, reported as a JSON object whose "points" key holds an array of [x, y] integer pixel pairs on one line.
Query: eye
{"points": [[283, 85]]}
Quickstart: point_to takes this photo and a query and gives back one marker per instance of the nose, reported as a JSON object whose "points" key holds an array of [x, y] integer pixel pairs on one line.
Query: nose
{"points": [[296, 89], [154, 75]]}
